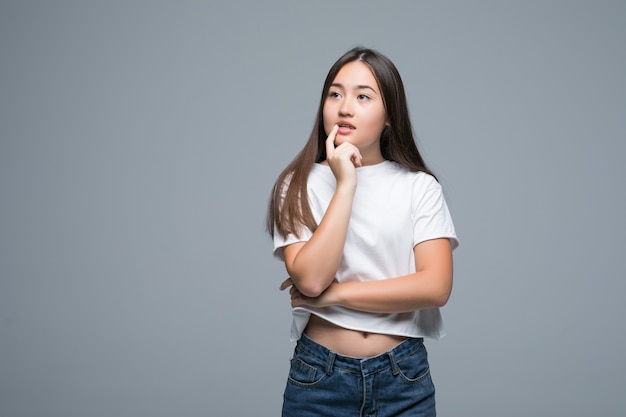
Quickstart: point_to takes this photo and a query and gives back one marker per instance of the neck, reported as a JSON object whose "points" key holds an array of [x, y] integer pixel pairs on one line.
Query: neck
{"points": [[372, 158]]}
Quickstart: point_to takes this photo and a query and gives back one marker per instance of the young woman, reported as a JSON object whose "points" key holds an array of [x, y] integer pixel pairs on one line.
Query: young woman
{"points": [[367, 240]]}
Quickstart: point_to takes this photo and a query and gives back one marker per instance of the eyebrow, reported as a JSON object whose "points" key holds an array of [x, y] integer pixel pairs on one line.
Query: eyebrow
{"points": [[358, 87]]}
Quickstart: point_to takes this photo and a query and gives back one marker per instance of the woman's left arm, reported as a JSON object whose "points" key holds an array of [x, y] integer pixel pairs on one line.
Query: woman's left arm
{"points": [[430, 286]]}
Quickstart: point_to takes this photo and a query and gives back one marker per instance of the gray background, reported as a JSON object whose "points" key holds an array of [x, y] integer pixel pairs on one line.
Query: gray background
{"points": [[138, 144]]}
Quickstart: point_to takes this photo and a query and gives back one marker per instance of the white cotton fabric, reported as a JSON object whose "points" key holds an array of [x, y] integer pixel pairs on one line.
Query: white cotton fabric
{"points": [[394, 209]]}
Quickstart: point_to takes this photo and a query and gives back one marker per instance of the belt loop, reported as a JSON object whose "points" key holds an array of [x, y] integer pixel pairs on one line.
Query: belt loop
{"points": [[394, 365], [331, 362]]}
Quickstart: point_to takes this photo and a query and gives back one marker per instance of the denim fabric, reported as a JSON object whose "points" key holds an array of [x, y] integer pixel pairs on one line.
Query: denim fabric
{"points": [[323, 383]]}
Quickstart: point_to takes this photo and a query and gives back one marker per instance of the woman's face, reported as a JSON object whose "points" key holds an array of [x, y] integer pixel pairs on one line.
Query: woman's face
{"points": [[354, 102]]}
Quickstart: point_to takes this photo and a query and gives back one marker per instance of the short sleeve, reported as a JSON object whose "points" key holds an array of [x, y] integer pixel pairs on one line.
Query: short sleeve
{"points": [[280, 242], [431, 217]]}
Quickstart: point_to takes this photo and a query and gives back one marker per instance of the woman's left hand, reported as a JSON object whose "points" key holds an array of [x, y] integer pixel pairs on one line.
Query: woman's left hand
{"points": [[298, 299]]}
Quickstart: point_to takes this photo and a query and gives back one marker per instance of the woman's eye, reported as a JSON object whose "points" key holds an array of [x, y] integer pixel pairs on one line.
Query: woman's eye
{"points": [[333, 94], [363, 97]]}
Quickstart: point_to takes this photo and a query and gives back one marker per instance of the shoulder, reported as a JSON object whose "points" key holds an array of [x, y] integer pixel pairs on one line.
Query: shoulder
{"points": [[316, 172], [320, 175], [417, 179]]}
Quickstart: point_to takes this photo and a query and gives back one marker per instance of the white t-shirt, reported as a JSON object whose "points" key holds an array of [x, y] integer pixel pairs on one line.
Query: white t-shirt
{"points": [[394, 209]]}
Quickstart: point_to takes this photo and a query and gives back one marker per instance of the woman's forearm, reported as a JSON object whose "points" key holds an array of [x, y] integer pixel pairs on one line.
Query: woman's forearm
{"points": [[407, 293], [313, 265], [430, 286]]}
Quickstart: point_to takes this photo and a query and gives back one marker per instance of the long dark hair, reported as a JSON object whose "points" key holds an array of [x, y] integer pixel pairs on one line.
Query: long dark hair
{"points": [[288, 208]]}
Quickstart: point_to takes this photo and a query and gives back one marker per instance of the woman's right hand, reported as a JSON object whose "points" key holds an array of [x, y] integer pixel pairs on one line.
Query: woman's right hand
{"points": [[343, 159]]}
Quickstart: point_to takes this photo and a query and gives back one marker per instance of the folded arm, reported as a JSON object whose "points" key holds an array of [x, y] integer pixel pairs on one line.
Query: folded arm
{"points": [[430, 286], [313, 265]]}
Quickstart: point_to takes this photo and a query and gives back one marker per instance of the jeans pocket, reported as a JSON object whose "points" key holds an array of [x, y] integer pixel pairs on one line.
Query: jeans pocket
{"points": [[306, 371], [414, 368]]}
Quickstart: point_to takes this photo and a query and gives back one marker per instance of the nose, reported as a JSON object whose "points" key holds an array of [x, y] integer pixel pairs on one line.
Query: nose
{"points": [[346, 109]]}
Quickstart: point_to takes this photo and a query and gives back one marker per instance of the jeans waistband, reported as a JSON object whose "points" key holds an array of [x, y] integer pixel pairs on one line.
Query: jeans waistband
{"points": [[361, 365]]}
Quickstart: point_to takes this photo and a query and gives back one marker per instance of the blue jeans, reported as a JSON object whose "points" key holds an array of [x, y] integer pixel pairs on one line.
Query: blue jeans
{"points": [[323, 383]]}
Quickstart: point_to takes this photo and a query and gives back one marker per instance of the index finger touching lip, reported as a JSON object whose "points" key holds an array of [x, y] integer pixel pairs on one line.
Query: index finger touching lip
{"points": [[330, 140]]}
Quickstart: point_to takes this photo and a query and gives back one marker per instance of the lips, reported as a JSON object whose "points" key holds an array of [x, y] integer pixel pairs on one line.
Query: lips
{"points": [[345, 127], [345, 124]]}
